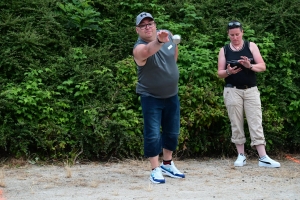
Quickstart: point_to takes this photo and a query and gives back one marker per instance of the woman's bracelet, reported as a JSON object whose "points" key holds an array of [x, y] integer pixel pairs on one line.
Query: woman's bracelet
{"points": [[228, 72]]}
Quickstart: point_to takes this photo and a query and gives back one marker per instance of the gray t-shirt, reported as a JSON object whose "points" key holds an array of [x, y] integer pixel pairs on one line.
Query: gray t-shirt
{"points": [[159, 76]]}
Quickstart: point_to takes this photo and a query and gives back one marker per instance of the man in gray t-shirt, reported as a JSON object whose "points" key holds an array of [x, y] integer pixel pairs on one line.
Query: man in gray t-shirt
{"points": [[156, 54]]}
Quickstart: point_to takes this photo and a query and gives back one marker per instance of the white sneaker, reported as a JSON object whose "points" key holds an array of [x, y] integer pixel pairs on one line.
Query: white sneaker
{"points": [[240, 161], [268, 162], [156, 176], [171, 170]]}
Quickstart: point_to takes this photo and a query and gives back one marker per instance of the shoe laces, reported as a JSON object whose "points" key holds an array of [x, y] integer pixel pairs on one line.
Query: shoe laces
{"points": [[157, 172]]}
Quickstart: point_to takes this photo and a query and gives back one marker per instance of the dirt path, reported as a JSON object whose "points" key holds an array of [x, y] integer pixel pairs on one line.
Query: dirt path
{"points": [[205, 179]]}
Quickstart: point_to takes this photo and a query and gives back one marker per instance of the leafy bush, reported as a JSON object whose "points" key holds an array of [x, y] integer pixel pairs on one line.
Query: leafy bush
{"points": [[68, 77]]}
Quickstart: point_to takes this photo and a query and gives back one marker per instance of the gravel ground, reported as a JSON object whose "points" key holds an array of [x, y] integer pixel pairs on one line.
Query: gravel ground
{"points": [[205, 179]]}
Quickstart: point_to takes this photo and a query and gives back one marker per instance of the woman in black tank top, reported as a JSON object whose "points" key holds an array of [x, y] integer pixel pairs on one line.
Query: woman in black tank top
{"points": [[237, 63]]}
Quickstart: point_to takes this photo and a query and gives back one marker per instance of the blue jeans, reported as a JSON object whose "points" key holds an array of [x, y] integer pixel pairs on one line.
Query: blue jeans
{"points": [[161, 124]]}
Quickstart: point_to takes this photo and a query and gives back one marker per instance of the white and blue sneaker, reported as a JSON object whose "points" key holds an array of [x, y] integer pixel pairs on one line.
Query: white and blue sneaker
{"points": [[156, 176], [266, 161], [171, 170], [240, 161]]}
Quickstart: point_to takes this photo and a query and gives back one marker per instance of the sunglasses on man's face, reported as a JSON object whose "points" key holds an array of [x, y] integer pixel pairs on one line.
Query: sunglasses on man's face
{"points": [[234, 24]]}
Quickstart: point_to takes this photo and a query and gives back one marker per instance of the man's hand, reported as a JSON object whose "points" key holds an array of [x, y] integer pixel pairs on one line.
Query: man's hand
{"points": [[163, 36]]}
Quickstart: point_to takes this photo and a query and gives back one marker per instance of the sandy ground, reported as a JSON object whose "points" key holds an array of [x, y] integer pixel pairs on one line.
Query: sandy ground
{"points": [[205, 179]]}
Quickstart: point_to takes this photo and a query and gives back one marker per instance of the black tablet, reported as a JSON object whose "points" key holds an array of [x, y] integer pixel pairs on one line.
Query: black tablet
{"points": [[234, 63]]}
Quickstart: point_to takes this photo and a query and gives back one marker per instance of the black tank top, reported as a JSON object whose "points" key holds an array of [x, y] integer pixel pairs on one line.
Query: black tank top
{"points": [[245, 76]]}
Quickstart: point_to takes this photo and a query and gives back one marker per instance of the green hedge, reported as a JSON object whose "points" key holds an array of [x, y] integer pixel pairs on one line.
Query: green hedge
{"points": [[68, 77]]}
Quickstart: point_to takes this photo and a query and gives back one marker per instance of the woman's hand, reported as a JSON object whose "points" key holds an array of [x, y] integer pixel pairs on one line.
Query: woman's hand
{"points": [[245, 61], [233, 70]]}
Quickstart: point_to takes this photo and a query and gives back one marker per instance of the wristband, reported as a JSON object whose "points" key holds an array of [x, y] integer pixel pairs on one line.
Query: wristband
{"points": [[251, 67], [159, 41]]}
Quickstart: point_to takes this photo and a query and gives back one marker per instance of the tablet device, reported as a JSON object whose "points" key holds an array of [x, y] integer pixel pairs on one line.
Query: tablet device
{"points": [[234, 63]]}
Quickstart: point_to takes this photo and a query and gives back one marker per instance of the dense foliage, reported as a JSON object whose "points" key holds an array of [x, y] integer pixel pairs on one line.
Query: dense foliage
{"points": [[68, 78]]}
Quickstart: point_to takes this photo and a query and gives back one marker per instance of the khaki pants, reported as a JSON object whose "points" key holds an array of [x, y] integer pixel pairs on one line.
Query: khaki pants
{"points": [[237, 101]]}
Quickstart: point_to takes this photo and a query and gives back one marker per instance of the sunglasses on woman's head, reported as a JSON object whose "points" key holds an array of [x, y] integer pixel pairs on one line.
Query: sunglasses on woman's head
{"points": [[234, 24]]}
